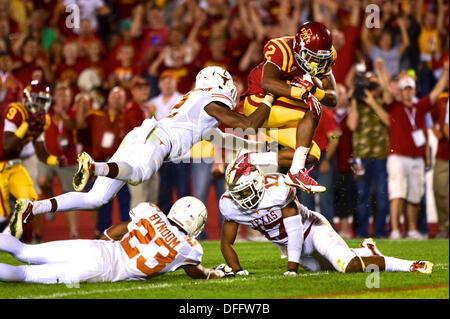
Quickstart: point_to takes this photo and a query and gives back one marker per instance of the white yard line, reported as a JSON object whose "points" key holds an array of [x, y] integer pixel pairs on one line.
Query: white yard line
{"points": [[81, 292], [78, 292]]}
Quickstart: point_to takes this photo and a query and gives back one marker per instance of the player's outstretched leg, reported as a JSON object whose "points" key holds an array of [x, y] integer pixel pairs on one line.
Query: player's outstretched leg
{"points": [[298, 175], [389, 264], [103, 190]]}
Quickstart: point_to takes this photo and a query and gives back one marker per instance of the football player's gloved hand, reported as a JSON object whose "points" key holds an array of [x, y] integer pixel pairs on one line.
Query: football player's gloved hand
{"points": [[225, 270], [290, 273], [305, 85], [314, 106], [242, 272]]}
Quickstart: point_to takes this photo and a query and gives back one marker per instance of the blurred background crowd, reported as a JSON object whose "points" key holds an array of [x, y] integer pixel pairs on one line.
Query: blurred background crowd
{"points": [[128, 60]]}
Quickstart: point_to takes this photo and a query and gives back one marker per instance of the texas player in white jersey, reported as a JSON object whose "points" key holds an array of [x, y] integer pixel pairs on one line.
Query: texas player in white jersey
{"points": [[267, 204], [144, 149], [150, 244]]}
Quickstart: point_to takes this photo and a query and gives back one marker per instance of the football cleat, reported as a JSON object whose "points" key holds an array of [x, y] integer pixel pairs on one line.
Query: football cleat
{"points": [[85, 170], [369, 243], [22, 214], [303, 181], [423, 267]]}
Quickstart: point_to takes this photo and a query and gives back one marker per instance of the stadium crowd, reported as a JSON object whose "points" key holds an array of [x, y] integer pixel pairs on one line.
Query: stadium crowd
{"points": [[127, 60]]}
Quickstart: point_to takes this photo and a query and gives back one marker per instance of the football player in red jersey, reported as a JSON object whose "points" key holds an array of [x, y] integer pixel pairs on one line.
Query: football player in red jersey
{"points": [[21, 124], [296, 70]]}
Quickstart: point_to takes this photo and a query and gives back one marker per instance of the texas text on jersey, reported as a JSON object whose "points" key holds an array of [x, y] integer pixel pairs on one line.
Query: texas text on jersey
{"points": [[267, 217]]}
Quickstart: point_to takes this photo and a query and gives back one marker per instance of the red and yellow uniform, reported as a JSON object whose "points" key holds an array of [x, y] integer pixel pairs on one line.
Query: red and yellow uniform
{"points": [[14, 178], [286, 111]]}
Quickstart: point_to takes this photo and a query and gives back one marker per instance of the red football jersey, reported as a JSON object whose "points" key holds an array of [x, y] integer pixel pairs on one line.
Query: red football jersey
{"points": [[17, 114]]}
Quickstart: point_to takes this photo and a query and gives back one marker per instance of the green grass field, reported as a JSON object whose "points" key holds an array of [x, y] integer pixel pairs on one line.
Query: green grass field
{"points": [[266, 281]]}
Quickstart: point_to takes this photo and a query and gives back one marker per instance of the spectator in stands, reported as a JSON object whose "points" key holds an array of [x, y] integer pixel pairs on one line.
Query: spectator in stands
{"points": [[172, 176], [30, 62], [440, 173], [346, 42], [407, 139], [179, 58], [71, 67], [106, 130], [327, 138], [385, 48], [149, 26], [124, 70], [135, 113], [344, 183], [161, 104], [89, 10], [11, 90], [59, 136], [369, 125]]}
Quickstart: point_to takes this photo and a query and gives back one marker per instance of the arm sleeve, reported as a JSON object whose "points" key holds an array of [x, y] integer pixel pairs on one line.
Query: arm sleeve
{"points": [[294, 229], [195, 255]]}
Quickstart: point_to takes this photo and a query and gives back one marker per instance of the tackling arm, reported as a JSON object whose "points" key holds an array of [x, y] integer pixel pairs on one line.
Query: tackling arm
{"points": [[227, 238], [235, 119], [294, 228], [233, 142], [200, 272]]}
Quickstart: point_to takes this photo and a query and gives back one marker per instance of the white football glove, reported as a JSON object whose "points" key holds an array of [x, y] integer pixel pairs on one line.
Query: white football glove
{"points": [[290, 273], [224, 270], [242, 272]]}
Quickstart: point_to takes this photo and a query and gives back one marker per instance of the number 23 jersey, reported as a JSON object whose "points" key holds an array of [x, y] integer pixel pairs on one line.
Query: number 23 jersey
{"points": [[154, 246]]}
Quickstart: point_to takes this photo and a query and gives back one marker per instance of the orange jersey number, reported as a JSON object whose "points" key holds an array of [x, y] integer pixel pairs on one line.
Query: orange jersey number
{"points": [[174, 110], [273, 181], [146, 239]]}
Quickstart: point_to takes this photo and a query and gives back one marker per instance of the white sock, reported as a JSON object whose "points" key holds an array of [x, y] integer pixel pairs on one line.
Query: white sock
{"points": [[395, 264], [299, 160], [42, 207], [101, 169]]}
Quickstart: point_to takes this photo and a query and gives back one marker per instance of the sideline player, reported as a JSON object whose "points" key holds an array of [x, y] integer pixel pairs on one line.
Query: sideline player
{"points": [[22, 123], [150, 244], [296, 69], [267, 204], [144, 149]]}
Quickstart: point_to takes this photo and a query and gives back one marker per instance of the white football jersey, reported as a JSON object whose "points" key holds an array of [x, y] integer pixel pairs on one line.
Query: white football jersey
{"points": [[154, 246], [267, 217], [187, 121]]}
